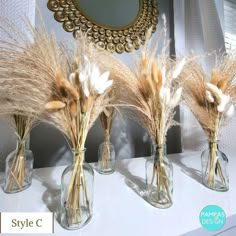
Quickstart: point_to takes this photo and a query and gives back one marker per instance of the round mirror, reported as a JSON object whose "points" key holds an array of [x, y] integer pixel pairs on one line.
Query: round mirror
{"points": [[107, 13], [114, 25]]}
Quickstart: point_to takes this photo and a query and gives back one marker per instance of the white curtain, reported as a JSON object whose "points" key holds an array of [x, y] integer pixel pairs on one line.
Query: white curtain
{"points": [[15, 11], [199, 28]]}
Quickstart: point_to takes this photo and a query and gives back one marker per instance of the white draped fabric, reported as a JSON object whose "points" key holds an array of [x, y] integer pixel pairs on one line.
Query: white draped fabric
{"points": [[16, 11], [199, 28]]}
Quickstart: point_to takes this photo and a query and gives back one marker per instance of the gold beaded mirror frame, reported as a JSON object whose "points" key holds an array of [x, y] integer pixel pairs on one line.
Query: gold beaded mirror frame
{"points": [[113, 39]]}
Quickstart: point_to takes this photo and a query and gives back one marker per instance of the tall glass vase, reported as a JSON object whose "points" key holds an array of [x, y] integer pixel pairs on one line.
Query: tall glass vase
{"points": [[214, 168], [18, 168], [77, 193], [159, 178]]}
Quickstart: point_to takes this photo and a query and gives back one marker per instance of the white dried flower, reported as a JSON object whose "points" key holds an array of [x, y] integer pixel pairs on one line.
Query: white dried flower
{"points": [[163, 72], [72, 78], [179, 68], [216, 92], [209, 97], [91, 79], [176, 98], [223, 104], [102, 83], [230, 112], [84, 79], [165, 95]]}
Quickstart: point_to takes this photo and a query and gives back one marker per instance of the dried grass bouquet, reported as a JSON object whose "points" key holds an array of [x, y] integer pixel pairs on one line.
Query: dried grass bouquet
{"points": [[80, 98], [64, 87], [211, 100], [23, 57], [151, 93]]}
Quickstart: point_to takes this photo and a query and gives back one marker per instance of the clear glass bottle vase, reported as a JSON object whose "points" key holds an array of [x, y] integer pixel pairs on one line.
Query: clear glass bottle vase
{"points": [[77, 193], [214, 168], [159, 178], [106, 158], [19, 168]]}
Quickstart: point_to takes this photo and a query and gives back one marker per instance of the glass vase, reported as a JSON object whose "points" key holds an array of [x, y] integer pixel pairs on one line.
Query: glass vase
{"points": [[18, 168], [106, 158], [214, 168], [159, 178], [77, 193]]}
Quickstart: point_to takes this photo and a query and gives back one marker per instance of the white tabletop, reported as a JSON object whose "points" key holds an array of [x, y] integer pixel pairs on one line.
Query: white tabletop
{"points": [[119, 208]]}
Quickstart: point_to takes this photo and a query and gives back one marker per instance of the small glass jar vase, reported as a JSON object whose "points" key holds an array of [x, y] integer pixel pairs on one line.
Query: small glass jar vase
{"points": [[77, 193], [106, 158], [159, 178], [18, 168], [214, 168]]}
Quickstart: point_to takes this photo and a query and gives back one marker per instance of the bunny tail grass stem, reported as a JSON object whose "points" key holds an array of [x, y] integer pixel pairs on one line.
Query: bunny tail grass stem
{"points": [[214, 164], [106, 155], [16, 177], [78, 188], [159, 174], [77, 184], [106, 119]]}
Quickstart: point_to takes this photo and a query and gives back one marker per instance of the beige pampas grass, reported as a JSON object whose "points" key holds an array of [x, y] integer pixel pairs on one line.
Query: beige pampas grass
{"points": [[25, 86], [28, 65], [209, 98]]}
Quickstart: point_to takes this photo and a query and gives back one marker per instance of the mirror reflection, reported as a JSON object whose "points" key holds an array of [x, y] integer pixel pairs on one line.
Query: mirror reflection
{"points": [[108, 12]]}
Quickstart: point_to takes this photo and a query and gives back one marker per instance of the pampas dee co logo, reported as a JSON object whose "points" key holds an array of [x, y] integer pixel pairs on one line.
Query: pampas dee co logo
{"points": [[212, 218]]}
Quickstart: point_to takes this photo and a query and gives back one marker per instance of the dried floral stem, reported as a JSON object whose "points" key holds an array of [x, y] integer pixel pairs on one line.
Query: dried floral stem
{"points": [[16, 178], [77, 189], [17, 172], [160, 175], [106, 119], [106, 155], [77, 181], [214, 164]]}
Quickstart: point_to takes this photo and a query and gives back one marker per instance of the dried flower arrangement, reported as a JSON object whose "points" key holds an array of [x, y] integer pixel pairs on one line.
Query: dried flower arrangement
{"points": [[58, 86], [81, 98], [152, 92], [20, 67], [157, 95], [211, 101]]}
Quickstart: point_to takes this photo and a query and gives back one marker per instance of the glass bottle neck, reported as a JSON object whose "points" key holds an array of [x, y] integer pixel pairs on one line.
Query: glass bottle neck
{"points": [[78, 155], [213, 144], [23, 142], [158, 151]]}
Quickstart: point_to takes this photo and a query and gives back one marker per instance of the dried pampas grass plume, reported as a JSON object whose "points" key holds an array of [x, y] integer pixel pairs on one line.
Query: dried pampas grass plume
{"points": [[210, 98]]}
